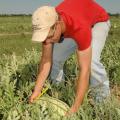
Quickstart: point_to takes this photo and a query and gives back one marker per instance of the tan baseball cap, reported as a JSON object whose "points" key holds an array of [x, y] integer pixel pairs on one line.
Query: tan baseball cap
{"points": [[42, 19]]}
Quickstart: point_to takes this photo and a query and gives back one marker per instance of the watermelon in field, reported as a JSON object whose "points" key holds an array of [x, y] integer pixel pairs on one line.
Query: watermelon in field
{"points": [[56, 106]]}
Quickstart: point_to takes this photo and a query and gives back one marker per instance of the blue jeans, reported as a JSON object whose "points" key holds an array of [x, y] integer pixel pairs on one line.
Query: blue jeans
{"points": [[99, 82]]}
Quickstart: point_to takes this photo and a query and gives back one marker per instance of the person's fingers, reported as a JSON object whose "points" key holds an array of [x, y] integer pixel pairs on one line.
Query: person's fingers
{"points": [[67, 114], [49, 41], [33, 97]]}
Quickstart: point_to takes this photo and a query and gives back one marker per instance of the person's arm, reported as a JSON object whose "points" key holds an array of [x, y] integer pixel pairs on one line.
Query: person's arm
{"points": [[84, 61], [44, 66], [44, 69]]}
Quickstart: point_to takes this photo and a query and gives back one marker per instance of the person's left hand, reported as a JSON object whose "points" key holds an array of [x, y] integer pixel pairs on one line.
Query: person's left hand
{"points": [[72, 110]]}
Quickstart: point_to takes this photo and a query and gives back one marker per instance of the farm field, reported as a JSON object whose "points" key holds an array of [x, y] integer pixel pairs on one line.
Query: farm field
{"points": [[19, 60]]}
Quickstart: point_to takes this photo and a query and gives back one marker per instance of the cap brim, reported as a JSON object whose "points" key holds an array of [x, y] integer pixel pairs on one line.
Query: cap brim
{"points": [[40, 35]]}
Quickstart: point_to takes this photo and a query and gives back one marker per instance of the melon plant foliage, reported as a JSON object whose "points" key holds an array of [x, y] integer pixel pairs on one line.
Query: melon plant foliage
{"points": [[17, 79]]}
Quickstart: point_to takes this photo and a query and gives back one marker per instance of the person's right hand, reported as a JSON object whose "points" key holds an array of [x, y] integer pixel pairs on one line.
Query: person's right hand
{"points": [[34, 95]]}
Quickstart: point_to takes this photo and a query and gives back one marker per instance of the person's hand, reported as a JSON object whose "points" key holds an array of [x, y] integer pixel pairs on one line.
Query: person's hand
{"points": [[72, 111], [34, 96], [51, 41]]}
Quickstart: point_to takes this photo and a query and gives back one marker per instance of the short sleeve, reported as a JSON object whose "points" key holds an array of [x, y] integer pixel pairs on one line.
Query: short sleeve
{"points": [[83, 38]]}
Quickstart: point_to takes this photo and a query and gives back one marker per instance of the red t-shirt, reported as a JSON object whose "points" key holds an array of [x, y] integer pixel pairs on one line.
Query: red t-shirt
{"points": [[79, 17]]}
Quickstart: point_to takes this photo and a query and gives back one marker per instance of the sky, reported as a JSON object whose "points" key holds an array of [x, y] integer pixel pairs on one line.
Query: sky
{"points": [[29, 6]]}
